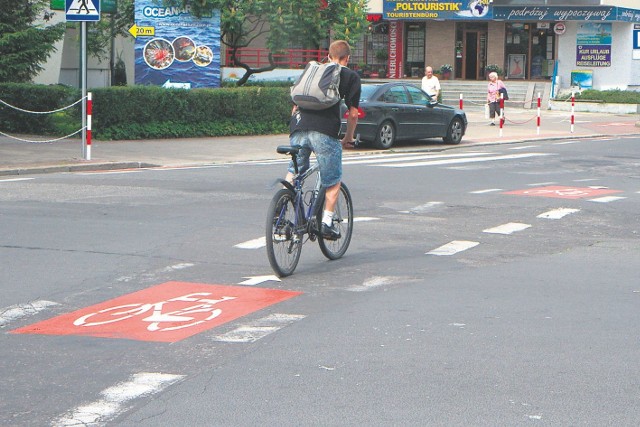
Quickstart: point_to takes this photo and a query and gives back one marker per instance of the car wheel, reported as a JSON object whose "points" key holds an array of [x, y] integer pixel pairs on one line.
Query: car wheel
{"points": [[386, 136], [454, 132]]}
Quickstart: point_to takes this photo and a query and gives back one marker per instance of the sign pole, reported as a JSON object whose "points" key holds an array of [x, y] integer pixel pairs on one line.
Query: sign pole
{"points": [[83, 73]]}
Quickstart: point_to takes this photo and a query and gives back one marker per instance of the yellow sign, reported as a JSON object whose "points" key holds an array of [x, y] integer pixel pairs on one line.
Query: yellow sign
{"points": [[136, 31]]}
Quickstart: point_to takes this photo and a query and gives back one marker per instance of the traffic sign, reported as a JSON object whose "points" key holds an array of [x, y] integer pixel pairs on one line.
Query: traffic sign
{"points": [[82, 10], [636, 39]]}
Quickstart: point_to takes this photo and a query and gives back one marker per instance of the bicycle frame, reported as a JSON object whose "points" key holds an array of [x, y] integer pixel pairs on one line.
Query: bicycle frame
{"points": [[302, 215]]}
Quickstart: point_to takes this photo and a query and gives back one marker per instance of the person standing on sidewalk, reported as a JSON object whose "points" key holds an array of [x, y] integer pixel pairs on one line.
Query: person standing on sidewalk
{"points": [[318, 130], [430, 83], [493, 96]]}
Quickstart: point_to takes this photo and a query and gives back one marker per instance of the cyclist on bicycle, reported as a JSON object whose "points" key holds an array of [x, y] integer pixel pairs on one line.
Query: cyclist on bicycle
{"points": [[318, 130]]}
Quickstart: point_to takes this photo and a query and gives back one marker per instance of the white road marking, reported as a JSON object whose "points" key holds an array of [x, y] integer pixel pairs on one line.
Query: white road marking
{"points": [[538, 184], [114, 399], [372, 283], [464, 160], [423, 208], [585, 180], [598, 187], [252, 244], [365, 218], [18, 311], [489, 190], [508, 228], [566, 142], [402, 158], [525, 147], [256, 280], [453, 248], [252, 332], [15, 179], [558, 213], [180, 266], [606, 199]]}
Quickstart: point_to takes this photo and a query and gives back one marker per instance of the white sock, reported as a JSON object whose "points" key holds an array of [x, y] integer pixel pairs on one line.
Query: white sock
{"points": [[327, 218]]}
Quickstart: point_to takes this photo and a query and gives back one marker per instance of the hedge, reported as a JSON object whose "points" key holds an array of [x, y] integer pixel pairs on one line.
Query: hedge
{"points": [[141, 112]]}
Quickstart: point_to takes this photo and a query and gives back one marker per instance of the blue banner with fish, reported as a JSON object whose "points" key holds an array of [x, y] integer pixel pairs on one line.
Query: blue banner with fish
{"points": [[175, 49]]}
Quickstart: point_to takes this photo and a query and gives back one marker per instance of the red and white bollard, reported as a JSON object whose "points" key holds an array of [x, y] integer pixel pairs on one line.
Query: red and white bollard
{"points": [[461, 101], [501, 113], [538, 126], [573, 107], [89, 110]]}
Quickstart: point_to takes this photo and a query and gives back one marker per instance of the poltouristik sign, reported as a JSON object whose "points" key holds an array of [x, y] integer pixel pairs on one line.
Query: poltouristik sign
{"points": [[437, 9]]}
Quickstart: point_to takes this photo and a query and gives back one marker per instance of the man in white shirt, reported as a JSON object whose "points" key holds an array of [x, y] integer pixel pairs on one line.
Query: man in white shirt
{"points": [[430, 83]]}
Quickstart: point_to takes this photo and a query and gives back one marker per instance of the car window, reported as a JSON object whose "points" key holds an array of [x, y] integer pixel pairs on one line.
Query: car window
{"points": [[396, 95], [418, 96], [366, 91]]}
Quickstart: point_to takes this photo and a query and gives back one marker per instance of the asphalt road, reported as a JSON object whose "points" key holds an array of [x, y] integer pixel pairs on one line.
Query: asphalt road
{"points": [[457, 304]]}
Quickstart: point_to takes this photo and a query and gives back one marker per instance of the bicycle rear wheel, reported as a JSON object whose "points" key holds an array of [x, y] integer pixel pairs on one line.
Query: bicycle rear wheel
{"points": [[283, 246], [343, 220]]}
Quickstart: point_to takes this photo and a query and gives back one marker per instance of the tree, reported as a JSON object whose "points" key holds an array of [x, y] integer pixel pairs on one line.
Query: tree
{"points": [[26, 41], [284, 23]]}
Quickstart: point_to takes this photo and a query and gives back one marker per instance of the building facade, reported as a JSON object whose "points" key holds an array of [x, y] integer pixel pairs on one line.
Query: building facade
{"points": [[576, 42]]}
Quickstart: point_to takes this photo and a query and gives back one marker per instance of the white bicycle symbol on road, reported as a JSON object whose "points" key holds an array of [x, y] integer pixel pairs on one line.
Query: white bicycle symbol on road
{"points": [[565, 192], [203, 311]]}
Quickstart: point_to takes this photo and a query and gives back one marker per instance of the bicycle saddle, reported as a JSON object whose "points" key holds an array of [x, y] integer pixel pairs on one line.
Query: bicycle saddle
{"points": [[287, 149]]}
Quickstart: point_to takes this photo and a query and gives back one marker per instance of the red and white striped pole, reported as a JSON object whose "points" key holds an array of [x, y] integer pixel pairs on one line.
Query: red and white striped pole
{"points": [[461, 101], [573, 105], [501, 113], [89, 112], [538, 128]]}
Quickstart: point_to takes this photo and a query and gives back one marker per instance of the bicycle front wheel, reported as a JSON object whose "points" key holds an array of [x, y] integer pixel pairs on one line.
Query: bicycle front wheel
{"points": [[343, 220], [283, 245]]}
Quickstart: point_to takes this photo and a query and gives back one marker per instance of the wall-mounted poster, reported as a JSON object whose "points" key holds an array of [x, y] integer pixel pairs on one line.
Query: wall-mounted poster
{"points": [[583, 79], [516, 66], [175, 49]]}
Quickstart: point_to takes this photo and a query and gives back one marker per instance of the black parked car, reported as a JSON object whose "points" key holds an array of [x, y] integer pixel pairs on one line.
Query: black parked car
{"points": [[395, 111]]}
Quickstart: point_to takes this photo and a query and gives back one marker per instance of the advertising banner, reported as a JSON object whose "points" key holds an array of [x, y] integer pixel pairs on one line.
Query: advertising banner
{"points": [[437, 9], [396, 50], [175, 49], [593, 45]]}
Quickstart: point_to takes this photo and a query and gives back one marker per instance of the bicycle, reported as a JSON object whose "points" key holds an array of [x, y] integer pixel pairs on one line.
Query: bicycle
{"points": [[296, 211]]}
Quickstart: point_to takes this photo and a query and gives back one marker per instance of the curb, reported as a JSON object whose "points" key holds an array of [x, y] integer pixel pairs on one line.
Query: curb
{"points": [[76, 168]]}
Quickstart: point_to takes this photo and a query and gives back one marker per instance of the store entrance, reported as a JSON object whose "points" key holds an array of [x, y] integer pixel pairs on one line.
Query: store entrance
{"points": [[471, 51]]}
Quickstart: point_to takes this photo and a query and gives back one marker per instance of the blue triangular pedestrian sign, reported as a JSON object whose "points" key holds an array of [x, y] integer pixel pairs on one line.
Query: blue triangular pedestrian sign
{"points": [[82, 10]]}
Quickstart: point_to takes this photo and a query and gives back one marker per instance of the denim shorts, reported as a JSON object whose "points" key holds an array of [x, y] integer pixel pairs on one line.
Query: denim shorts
{"points": [[328, 152]]}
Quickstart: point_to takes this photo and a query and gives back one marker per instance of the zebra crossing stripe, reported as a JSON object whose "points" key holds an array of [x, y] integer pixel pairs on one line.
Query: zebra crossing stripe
{"points": [[402, 158], [606, 199], [258, 243], [464, 160]]}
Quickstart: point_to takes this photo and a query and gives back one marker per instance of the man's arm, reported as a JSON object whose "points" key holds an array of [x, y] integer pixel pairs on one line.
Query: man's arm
{"points": [[352, 121]]}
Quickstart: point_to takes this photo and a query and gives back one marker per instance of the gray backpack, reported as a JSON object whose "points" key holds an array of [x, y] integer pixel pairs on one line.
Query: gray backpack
{"points": [[317, 87]]}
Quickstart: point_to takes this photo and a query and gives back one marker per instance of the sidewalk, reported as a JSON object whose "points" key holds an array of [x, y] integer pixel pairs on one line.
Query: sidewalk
{"points": [[22, 158]]}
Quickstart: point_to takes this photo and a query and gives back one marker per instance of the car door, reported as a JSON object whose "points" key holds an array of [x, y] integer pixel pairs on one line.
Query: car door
{"points": [[397, 106], [426, 117]]}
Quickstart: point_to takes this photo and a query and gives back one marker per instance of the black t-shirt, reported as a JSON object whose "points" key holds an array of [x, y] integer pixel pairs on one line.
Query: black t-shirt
{"points": [[328, 121]]}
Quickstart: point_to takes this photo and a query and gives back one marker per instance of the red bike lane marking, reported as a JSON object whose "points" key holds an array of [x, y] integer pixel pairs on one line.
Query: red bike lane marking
{"points": [[561, 192], [168, 312]]}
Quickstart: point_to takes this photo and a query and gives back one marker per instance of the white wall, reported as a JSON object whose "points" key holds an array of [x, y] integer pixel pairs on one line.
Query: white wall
{"points": [[624, 72], [51, 72]]}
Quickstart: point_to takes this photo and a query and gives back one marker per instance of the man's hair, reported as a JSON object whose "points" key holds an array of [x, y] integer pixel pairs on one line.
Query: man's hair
{"points": [[339, 50]]}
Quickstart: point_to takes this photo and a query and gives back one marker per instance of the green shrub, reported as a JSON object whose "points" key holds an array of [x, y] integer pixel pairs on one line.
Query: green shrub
{"points": [[610, 96], [39, 98], [139, 112]]}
